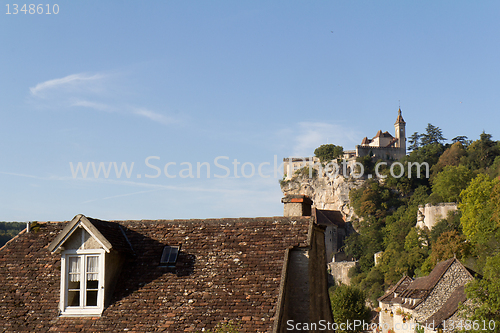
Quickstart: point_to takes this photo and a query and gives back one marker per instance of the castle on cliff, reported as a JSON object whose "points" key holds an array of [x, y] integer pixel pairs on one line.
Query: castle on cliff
{"points": [[384, 145]]}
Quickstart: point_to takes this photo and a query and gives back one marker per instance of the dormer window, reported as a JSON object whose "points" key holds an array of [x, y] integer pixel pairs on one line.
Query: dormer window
{"points": [[90, 263], [82, 286]]}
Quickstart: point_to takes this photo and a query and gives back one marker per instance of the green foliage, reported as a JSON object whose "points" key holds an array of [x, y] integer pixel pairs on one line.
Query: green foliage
{"points": [[373, 199], [477, 210], [494, 169], [284, 181], [328, 152], [482, 153], [426, 156], [9, 230], [448, 245], [368, 165], [448, 184], [451, 222], [348, 304], [451, 156], [433, 135], [485, 294], [414, 141], [387, 213], [463, 140], [307, 172]]}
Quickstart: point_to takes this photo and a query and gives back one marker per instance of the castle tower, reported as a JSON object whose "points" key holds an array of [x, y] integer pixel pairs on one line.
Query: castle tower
{"points": [[399, 126]]}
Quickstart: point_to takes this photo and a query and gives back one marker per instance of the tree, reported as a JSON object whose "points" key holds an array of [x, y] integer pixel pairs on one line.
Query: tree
{"points": [[415, 246], [414, 141], [433, 134], [448, 245], [477, 208], [451, 222], [448, 184], [451, 156], [463, 140], [485, 295], [348, 305], [328, 152], [482, 152]]}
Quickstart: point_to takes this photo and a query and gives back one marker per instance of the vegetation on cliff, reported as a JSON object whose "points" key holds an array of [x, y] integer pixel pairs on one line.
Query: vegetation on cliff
{"points": [[465, 172], [328, 152]]}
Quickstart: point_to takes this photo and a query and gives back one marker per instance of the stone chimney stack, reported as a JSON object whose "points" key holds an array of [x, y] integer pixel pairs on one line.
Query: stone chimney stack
{"points": [[297, 205]]}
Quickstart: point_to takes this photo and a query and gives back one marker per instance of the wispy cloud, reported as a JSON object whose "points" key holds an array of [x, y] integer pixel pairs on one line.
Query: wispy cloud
{"points": [[19, 175], [157, 117], [98, 91], [93, 105], [71, 81]]}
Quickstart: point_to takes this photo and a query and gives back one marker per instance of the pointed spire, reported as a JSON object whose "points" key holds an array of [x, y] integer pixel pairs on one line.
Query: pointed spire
{"points": [[400, 119]]}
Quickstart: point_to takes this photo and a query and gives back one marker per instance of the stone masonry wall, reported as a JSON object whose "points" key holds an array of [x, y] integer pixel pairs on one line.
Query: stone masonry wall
{"points": [[340, 271], [455, 276], [429, 215]]}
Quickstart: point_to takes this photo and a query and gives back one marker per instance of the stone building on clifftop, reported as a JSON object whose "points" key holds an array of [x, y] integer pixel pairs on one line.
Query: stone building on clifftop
{"points": [[385, 146]]}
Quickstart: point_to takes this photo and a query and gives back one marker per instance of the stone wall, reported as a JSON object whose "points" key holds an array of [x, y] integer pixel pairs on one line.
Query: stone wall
{"points": [[340, 271], [385, 153], [304, 291], [455, 276], [429, 215], [326, 193]]}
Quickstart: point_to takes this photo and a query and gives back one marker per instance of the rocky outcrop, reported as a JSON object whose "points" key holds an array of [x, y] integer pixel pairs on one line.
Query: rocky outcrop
{"points": [[329, 193]]}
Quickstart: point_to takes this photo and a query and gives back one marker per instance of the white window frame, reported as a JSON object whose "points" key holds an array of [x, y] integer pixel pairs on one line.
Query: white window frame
{"points": [[82, 310]]}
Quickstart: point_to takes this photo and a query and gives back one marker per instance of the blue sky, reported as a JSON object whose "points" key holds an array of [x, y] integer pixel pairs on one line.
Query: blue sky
{"points": [[191, 81]]}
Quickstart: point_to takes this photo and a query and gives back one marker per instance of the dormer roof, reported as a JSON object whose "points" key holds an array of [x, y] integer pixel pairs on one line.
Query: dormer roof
{"points": [[109, 235]]}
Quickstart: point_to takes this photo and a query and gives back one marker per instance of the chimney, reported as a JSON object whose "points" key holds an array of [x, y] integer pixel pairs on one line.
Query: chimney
{"points": [[297, 205]]}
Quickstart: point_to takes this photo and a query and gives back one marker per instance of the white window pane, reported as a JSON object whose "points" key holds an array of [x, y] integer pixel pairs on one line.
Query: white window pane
{"points": [[74, 269], [92, 268]]}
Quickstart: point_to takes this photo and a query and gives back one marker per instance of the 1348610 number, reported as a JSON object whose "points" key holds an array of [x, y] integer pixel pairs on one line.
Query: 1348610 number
{"points": [[32, 9]]}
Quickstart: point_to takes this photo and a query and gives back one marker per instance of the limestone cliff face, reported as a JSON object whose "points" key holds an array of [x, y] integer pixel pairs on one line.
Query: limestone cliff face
{"points": [[326, 193]]}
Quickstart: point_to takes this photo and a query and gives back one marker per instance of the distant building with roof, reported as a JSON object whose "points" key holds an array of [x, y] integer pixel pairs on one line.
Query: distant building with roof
{"points": [[432, 301], [382, 146], [385, 146]]}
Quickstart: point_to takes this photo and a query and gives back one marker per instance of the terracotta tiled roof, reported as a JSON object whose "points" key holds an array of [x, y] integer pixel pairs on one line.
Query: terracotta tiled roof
{"points": [[428, 282], [381, 134], [227, 269], [114, 233], [398, 288], [421, 287], [365, 141]]}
